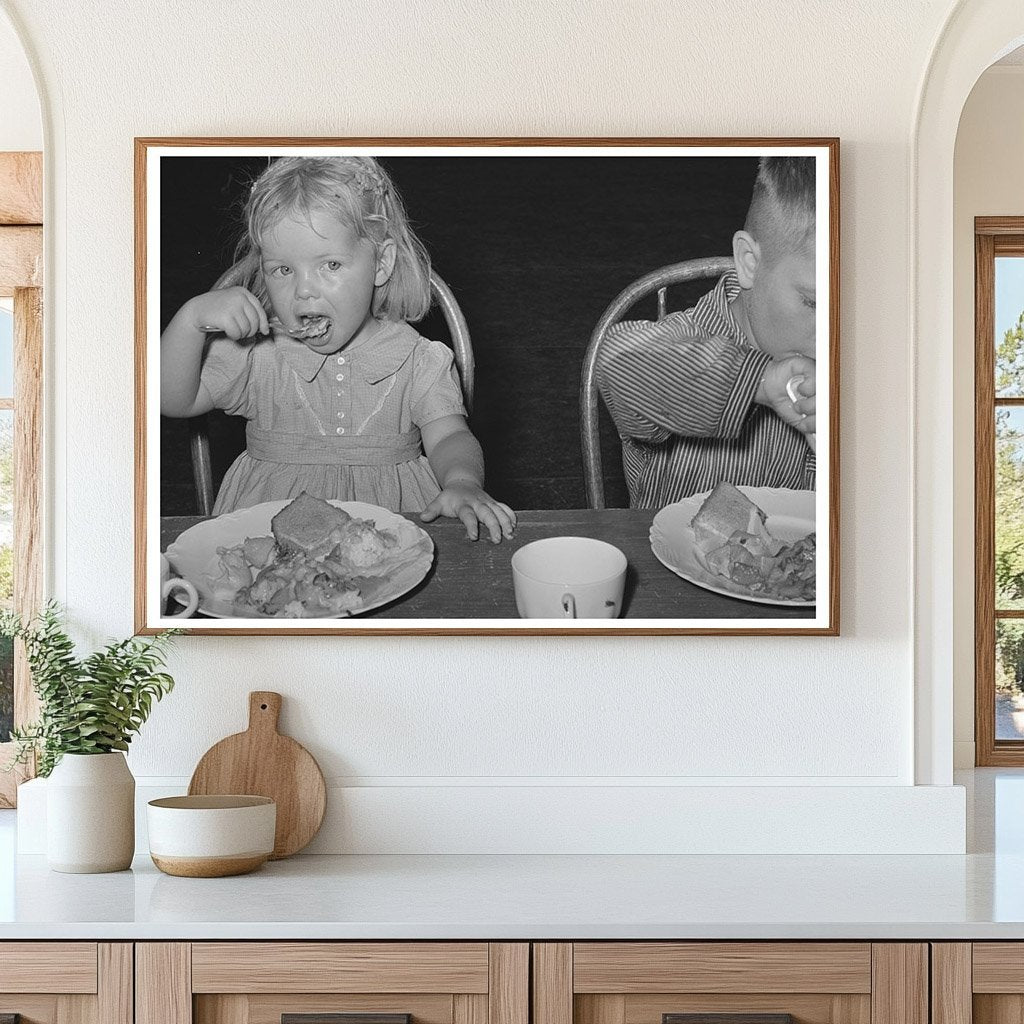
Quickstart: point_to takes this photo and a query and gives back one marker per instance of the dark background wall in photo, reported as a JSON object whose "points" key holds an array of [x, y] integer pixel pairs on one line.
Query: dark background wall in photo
{"points": [[534, 249]]}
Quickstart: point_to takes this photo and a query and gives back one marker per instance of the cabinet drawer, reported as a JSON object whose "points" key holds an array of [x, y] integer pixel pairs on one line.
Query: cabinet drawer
{"points": [[340, 967], [64, 967], [730, 983], [633, 967], [66, 982], [332, 983]]}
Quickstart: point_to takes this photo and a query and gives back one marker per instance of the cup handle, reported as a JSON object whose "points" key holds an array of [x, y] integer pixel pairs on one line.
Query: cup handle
{"points": [[193, 597], [568, 606]]}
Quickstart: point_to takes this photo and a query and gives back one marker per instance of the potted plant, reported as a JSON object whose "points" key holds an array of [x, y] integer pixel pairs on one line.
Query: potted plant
{"points": [[89, 710]]}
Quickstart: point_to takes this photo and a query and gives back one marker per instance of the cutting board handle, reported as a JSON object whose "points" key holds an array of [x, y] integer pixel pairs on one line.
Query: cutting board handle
{"points": [[264, 710]]}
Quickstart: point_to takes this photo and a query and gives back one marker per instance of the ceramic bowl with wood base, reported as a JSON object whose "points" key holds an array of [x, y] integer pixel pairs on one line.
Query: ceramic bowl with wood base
{"points": [[211, 836]]}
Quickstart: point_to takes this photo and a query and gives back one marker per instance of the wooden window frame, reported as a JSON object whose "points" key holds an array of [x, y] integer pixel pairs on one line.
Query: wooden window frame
{"points": [[21, 278]]}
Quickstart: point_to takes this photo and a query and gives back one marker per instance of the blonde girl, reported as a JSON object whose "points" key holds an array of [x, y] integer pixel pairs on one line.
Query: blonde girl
{"points": [[307, 336]]}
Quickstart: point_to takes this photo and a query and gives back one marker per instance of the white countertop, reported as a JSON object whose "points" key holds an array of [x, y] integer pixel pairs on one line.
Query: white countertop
{"points": [[976, 896], [520, 897]]}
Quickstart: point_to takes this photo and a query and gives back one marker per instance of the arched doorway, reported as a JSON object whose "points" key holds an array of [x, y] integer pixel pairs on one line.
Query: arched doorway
{"points": [[977, 33]]}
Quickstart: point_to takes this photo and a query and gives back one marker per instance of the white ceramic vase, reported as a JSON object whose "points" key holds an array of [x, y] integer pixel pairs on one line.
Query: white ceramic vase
{"points": [[90, 814]]}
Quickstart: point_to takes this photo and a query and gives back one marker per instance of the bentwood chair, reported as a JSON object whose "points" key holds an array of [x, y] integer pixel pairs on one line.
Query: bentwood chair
{"points": [[656, 280], [202, 468]]}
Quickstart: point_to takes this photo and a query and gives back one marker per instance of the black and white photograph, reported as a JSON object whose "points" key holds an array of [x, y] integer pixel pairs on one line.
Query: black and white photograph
{"points": [[487, 386]]}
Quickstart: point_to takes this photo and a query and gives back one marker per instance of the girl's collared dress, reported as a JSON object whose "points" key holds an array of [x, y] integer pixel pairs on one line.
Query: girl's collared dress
{"points": [[342, 426]]}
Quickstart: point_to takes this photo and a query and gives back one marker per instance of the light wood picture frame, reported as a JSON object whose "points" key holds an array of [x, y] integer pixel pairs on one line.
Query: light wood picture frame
{"points": [[537, 246]]}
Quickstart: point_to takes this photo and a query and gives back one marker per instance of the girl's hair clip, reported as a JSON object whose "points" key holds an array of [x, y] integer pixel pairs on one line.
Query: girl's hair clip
{"points": [[369, 183]]}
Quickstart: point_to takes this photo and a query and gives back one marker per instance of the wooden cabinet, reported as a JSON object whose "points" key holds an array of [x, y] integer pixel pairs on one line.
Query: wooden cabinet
{"points": [[979, 982], [758, 982], [499, 983], [307, 982], [66, 982]]}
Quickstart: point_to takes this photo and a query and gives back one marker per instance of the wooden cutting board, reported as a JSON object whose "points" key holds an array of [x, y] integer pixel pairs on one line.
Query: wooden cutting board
{"points": [[262, 762]]}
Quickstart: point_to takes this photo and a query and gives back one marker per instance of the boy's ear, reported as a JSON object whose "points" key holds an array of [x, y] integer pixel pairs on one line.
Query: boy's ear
{"points": [[385, 262], [746, 253]]}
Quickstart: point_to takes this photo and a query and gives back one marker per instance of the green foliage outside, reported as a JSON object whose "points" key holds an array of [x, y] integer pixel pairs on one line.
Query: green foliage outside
{"points": [[1009, 518], [90, 705]]}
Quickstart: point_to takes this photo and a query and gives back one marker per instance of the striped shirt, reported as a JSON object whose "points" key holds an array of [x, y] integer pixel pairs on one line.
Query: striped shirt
{"points": [[681, 392]]}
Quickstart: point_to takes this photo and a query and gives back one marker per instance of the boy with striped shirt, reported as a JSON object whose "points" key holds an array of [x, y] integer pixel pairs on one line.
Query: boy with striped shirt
{"points": [[726, 390]]}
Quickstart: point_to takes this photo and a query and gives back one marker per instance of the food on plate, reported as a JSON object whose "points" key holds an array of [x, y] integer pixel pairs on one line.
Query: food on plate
{"points": [[318, 563], [732, 539]]}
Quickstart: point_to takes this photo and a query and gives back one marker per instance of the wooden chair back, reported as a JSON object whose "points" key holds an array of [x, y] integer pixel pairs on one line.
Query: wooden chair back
{"points": [[656, 281]]}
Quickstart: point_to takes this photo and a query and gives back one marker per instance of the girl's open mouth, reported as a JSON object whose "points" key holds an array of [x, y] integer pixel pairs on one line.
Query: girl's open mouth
{"points": [[312, 325]]}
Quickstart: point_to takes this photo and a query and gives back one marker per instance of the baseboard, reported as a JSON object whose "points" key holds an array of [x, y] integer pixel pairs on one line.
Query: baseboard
{"points": [[480, 819]]}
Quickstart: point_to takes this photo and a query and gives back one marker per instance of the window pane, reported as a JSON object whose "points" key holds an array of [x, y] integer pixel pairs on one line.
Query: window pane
{"points": [[1009, 679], [6, 563], [1009, 321], [1009, 523], [6, 349]]}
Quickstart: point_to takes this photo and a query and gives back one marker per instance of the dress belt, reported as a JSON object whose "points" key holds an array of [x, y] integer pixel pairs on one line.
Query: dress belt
{"points": [[335, 449]]}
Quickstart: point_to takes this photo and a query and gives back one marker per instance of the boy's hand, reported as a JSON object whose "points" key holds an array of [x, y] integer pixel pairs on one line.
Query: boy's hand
{"points": [[235, 312], [464, 500], [774, 393]]}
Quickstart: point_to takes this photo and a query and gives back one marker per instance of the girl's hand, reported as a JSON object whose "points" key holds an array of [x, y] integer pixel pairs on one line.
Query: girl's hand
{"points": [[465, 500], [235, 312]]}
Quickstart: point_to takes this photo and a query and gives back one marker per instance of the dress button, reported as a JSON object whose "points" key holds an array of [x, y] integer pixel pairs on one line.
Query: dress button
{"points": [[341, 430], [341, 415], [341, 359], [340, 376]]}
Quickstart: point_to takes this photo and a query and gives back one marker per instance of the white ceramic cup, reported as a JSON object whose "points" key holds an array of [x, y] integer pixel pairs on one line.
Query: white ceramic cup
{"points": [[185, 592], [569, 578]]}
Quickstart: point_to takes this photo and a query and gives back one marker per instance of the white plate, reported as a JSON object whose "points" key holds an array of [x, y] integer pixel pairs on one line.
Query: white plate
{"points": [[790, 517], [193, 555]]}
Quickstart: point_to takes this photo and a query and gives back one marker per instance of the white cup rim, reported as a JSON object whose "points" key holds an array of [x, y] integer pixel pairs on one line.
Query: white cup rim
{"points": [[517, 566]]}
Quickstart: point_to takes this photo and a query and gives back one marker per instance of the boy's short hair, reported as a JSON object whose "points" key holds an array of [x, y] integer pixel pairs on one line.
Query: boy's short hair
{"points": [[781, 218]]}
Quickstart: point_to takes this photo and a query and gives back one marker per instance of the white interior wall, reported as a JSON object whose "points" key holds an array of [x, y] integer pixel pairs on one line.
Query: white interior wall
{"points": [[987, 182], [436, 715]]}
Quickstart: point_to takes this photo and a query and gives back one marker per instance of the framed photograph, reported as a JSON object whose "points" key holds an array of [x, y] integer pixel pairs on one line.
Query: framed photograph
{"points": [[500, 386]]}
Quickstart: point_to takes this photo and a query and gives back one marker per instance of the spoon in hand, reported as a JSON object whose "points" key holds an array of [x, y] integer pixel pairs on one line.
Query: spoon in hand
{"points": [[275, 324]]}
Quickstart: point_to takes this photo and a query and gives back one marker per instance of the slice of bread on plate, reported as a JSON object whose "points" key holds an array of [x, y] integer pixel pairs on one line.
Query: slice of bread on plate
{"points": [[307, 525], [725, 511]]}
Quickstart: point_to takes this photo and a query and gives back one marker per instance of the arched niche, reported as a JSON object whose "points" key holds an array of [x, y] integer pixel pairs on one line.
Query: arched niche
{"points": [[975, 35]]}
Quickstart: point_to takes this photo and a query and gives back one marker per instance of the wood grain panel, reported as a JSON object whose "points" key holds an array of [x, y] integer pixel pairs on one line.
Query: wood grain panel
{"points": [[593, 1009], [552, 983], [65, 967], [851, 1009], [163, 983], [21, 259], [229, 1009], [28, 483], [805, 1008], [508, 992], [998, 967], [721, 967], [468, 1009], [899, 992], [951, 983], [984, 502], [997, 225], [115, 983], [33, 1009], [998, 1009], [339, 967], [76, 1010], [267, 1009], [21, 188]]}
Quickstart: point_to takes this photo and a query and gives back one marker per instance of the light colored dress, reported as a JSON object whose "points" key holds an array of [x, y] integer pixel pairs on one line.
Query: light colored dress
{"points": [[344, 426]]}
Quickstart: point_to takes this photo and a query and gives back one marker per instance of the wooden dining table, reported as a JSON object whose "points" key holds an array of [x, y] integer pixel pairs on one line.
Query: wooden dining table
{"points": [[473, 579]]}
